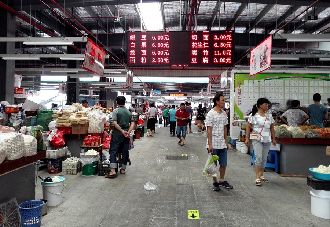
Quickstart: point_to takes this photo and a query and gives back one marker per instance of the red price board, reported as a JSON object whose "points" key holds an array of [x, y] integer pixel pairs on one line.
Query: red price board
{"points": [[94, 58], [177, 49]]}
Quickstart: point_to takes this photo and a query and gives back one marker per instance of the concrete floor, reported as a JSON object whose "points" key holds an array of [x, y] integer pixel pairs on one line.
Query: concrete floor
{"points": [[96, 201]]}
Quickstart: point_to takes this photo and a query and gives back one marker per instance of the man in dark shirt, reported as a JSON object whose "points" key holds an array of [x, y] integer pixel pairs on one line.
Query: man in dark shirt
{"points": [[182, 117], [317, 112], [120, 136]]}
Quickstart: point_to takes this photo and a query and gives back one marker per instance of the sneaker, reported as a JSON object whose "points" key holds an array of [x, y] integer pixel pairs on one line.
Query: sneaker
{"points": [[225, 185], [216, 187]]}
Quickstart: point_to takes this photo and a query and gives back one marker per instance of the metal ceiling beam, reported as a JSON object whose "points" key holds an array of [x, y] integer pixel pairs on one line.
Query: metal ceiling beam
{"points": [[98, 20], [232, 23], [281, 19], [259, 17], [35, 4], [50, 22], [214, 15], [324, 23], [301, 22], [44, 39]]}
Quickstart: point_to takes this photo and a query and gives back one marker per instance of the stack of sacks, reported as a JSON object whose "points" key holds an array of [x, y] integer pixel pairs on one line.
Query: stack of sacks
{"points": [[79, 118], [97, 120], [12, 144]]}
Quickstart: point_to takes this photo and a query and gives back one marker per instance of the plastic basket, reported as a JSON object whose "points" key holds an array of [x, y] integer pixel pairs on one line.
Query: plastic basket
{"points": [[89, 169], [31, 213]]}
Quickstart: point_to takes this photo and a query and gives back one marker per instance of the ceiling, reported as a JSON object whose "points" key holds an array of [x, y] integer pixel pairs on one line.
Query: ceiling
{"points": [[106, 21]]}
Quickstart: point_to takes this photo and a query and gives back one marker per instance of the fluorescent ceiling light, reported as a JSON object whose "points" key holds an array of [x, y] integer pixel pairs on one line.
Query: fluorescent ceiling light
{"points": [[65, 71], [20, 58], [324, 59], [285, 58], [114, 72], [45, 43], [72, 58], [151, 16]]}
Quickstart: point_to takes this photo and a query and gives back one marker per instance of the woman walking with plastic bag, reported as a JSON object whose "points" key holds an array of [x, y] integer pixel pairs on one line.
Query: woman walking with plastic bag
{"points": [[260, 130]]}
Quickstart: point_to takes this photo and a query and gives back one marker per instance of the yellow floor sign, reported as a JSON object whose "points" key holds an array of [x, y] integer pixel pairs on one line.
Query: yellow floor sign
{"points": [[193, 214]]}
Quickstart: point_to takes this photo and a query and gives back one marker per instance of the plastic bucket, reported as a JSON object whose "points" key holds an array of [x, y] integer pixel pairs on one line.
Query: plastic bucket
{"points": [[52, 192], [31, 213], [244, 148], [320, 203]]}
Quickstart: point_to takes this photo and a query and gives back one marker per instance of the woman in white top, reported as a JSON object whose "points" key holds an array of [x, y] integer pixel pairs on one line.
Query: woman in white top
{"points": [[152, 118], [260, 130]]}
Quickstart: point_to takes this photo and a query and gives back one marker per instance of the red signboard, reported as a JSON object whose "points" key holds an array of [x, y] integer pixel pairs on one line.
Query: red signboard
{"points": [[94, 58], [260, 59], [214, 79], [180, 49], [19, 90]]}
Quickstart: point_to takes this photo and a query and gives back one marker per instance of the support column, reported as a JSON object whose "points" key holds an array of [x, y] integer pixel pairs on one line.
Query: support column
{"points": [[72, 83], [7, 68], [103, 93]]}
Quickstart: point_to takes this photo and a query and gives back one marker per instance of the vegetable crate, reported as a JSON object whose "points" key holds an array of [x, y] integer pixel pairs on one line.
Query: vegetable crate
{"points": [[71, 168]]}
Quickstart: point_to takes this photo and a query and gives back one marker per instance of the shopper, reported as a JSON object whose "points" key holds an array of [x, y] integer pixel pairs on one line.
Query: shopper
{"points": [[165, 116], [190, 111], [139, 109], [318, 114], [216, 125], [172, 113], [120, 138], [294, 116], [260, 130], [201, 111], [182, 117], [84, 103], [152, 119]]}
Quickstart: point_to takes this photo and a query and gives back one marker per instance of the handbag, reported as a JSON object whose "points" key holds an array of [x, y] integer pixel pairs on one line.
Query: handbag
{"points": [[257, 136]]}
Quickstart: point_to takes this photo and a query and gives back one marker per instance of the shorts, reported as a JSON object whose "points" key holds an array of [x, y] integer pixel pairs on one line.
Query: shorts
{"points": [[222, 153]]}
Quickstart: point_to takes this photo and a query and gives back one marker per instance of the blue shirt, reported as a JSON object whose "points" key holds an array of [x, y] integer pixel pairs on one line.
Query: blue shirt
{"points": [[316, 114], [172, 114]]}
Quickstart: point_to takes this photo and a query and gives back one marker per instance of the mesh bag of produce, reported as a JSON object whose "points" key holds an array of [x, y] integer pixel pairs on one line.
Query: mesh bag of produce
{"points": [[311, 134], [13, 143], [30, 145]]}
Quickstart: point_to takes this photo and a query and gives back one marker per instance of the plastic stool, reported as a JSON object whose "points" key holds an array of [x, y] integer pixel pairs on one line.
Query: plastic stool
{"points": [[272, 160]]}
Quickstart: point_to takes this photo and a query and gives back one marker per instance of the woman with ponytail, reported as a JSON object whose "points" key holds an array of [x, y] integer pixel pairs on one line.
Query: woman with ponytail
{"points": [[260, 130]]}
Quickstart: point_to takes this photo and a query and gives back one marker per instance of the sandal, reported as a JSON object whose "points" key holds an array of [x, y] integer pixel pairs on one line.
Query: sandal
{"points": [[109, 175], [122, 171], [263, 179], [258, 182]]}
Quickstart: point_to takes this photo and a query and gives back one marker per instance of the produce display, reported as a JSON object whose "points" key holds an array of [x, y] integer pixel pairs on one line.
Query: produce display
{"points": [[30, 143], [96, 121], [306, 131], [13, 145], [92, 141]]}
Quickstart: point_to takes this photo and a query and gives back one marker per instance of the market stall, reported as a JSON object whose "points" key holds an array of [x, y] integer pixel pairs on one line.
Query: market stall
{"points": [[297, 155], [302, 148]]}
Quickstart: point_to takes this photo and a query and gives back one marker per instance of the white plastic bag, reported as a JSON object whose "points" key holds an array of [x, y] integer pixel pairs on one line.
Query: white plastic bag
{"points": [[30, 143], [210, 167], [13, 143]]}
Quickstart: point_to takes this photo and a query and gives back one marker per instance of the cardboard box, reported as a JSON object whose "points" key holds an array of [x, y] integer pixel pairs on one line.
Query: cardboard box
{"points": [[80, 129]]}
